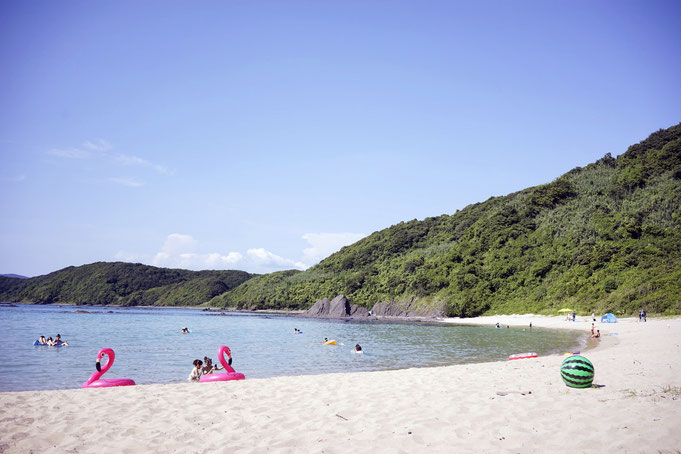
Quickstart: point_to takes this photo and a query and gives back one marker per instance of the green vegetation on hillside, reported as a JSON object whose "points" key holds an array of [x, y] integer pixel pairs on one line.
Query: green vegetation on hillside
{"points": [[122, 284], [606, 237]]}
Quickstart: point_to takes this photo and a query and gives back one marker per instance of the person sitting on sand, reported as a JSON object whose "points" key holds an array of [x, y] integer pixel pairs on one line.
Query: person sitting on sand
{"points": [[184, 331], [597, 335], [358, 348], [197, 371], [208, 367]]}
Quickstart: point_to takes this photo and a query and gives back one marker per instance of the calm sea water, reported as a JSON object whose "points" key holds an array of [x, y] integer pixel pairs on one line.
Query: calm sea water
{"points": [[150, 348]]}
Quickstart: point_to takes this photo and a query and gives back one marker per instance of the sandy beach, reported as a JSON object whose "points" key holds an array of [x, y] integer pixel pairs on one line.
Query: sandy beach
{"points": [[512, 406]]}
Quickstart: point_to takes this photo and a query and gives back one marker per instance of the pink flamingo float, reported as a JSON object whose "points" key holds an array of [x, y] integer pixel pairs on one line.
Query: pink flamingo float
{"points": [[229, 373], [95, 380]]}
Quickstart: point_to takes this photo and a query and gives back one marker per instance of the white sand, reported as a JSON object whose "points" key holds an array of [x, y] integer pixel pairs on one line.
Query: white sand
{"points": [[442, 409]]}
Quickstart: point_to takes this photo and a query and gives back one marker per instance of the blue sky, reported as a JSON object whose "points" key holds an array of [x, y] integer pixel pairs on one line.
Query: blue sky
{"points": [[265, 135]]}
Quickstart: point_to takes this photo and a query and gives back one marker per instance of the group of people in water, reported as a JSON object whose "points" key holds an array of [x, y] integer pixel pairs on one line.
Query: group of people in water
{"points": [[52, 342], [204, 367]]}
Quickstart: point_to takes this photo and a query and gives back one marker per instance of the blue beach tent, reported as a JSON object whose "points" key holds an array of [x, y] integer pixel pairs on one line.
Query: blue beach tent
{"points": [[608, 318]]}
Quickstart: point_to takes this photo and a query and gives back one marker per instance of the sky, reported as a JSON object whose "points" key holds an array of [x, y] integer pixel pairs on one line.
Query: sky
{"points": [[265, 135]]}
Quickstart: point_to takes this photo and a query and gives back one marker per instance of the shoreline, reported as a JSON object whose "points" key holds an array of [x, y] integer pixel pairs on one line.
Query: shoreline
{"points": [[509, 406]]}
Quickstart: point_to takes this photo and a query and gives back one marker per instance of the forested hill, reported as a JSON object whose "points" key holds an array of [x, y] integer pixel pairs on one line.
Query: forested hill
{"points": [[121, 284], [606, 237]]}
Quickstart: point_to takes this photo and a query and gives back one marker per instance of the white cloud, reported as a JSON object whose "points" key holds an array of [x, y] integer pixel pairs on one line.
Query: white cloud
{"points": [[99, 145], [130, 160], [178, 251], [13, 178], [69, 153], [182, 251], [100, 149], [177, 243], [264, 258], [325, 244], [130, 182]]}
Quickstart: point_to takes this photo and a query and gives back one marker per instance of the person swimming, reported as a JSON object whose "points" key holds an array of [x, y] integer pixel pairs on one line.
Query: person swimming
{"points": [[185, 330], [42, 341], [358, 348], [58, 341]]}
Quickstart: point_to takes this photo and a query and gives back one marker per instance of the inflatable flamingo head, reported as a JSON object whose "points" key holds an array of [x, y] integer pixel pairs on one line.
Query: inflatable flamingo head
{"points": [[222, 352], [111, 357], [96, 375]]}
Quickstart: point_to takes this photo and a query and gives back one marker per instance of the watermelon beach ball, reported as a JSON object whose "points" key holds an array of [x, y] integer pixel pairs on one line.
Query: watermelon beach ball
{"points": [[577, 372]]}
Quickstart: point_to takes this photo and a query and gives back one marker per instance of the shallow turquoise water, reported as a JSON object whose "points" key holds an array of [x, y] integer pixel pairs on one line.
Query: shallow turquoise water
{"points": [[150, 348]]}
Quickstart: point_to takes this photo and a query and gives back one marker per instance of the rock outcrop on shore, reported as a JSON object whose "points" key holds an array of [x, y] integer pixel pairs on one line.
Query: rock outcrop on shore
{"points": [[339, 307], [407, 309]]}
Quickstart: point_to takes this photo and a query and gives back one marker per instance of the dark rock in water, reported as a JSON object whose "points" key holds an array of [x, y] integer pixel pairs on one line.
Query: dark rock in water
{"points": [[339, 307], [81, 312], [110, 312]]}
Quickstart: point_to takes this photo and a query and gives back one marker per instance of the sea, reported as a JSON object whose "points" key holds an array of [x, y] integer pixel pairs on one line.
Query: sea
{"points": [[150, 347]]}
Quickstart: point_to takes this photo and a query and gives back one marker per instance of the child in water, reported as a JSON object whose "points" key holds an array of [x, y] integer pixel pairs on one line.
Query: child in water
{"points": [[197, 371]]}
